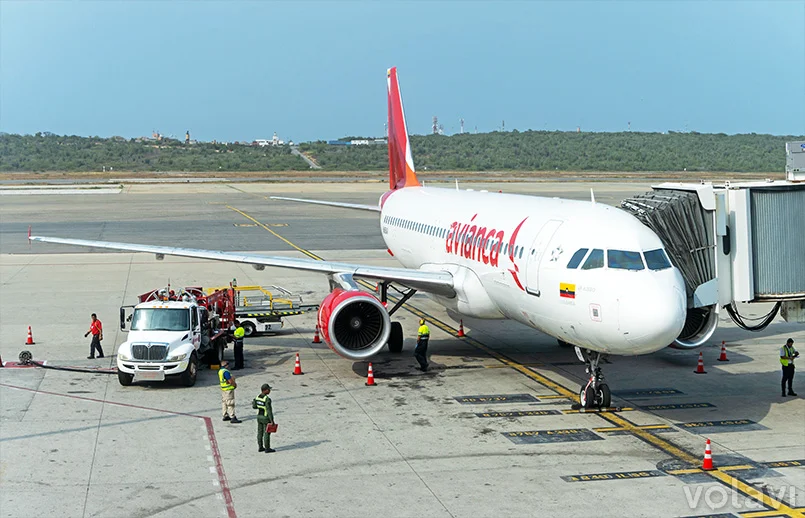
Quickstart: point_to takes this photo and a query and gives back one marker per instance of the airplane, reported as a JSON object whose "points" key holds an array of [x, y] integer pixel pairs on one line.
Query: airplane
{"points": [[585, 273]]}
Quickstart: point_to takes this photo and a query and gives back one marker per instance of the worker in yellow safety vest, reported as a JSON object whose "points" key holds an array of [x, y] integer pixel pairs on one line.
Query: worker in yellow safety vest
{"points": [[421, 351], [787, 355], [228, 386], [238, 335]]}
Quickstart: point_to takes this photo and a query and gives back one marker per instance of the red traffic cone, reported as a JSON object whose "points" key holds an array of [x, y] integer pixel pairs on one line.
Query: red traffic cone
{"points": [[700, 366], [461, 329], [707, 465], [30, 340], [297, 367], [316, 337], [723, 357], [370, 377]]}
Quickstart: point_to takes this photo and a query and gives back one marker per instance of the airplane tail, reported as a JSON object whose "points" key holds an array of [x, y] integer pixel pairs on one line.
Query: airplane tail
{"points": [[401, 163]]}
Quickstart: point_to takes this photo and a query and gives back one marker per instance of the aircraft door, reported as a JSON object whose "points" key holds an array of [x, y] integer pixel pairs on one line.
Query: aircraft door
{"points": [[537, 252]]}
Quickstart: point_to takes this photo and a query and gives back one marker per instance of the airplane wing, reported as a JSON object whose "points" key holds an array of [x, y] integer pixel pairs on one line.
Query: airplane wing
{"points": [[440, 283], [373, 208]]}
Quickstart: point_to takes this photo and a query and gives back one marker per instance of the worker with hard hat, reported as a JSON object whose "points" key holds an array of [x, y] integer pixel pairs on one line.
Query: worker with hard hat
{"points": [[787, 355], [421, 351]]}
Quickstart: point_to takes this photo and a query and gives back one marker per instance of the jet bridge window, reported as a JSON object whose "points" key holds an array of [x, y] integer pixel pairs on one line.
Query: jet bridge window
{"points": [[656, 259], [594, 260], [623, 260], [575, 261]]}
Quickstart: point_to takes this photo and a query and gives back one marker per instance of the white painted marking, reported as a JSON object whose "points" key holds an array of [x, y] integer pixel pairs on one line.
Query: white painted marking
{"points": [[213, 470], [209, 458]]}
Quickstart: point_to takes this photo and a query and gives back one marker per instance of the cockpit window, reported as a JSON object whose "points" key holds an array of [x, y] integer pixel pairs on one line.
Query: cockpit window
{"points": [[594, 260], [577, 257], [657, 260], [623, 260]]}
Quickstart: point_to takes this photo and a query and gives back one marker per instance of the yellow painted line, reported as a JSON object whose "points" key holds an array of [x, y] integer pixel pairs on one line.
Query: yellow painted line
{"points": [[759, 514], [654, 440], [264, 226], [596, 411], [644, 427], [552, 397]]}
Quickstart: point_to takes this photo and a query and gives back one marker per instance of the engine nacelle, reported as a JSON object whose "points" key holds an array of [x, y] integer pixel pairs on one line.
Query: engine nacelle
{"points": [[354, 323], [700, 325]]}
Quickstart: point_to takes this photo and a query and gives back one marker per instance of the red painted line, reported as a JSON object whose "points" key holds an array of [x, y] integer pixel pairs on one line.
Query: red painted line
{"points": [[219, 465], [15, 365]]}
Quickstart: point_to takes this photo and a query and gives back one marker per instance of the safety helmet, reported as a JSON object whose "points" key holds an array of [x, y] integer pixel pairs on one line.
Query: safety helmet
{"points": [[422, 321]]}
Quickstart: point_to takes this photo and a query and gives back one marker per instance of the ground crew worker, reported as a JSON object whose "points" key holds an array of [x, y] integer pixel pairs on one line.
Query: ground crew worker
{"points": [[787, 355], [239, 333], [96, 329], [421, 351], [228, 386], [265, 416]]}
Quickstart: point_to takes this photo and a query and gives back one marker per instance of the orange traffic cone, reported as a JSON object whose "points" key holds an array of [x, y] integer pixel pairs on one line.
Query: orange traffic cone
{"points": [[297, 367], [461, 329], [707, 465], [700, 366], [30, 340], [316, 337], [723, 357], [370, 377]]}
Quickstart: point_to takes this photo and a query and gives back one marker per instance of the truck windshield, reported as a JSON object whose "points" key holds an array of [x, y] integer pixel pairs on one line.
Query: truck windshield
{"points": [[160, 320]]}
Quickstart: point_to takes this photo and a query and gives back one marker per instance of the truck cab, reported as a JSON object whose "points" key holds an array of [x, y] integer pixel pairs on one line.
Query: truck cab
{"points": [[168, 338]]}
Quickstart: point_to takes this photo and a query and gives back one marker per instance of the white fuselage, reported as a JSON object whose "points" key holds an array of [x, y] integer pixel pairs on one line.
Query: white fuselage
{"points": [[509, 255]]}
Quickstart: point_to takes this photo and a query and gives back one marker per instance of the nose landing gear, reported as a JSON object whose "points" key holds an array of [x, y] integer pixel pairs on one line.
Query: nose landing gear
{"points": [[595, 393]]}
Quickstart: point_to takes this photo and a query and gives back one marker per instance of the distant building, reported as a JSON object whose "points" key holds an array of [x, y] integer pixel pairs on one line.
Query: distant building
{"points": [[358, 142], [275, 141]]}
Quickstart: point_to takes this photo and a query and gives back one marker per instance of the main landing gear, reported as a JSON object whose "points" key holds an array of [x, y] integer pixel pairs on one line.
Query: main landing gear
{"points": [[396, 338], [595, 393]]}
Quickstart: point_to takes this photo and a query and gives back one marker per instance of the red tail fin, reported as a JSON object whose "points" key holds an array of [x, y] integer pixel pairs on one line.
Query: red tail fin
{"points": [[401, 163]]}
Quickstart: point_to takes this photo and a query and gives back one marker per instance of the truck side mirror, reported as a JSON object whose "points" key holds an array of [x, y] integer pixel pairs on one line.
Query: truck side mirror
{"points": [[122, 319]]}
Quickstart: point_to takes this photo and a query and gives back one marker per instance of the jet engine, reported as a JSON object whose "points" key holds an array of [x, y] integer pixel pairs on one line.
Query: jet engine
{"points": [[354, 323], [700, 325]]}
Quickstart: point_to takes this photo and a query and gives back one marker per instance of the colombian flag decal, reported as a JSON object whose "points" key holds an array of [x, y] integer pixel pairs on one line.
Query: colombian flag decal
{"points": [[567, 291]]}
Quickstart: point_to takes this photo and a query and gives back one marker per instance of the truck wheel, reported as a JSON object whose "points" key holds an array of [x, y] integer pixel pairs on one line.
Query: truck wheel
{"points": [[124, 378], [396, 338], [249, 329], [190, 374]]}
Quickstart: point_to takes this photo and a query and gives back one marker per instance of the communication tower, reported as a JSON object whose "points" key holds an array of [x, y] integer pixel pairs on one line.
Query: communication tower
{"points": [[435, 125], [461, 121]]}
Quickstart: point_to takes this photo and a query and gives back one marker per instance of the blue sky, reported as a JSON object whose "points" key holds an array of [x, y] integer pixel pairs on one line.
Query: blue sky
{"points": [[316, 70]]}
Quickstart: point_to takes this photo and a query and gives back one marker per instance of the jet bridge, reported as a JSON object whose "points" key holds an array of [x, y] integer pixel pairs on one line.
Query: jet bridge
{"points": [[733, 242]]}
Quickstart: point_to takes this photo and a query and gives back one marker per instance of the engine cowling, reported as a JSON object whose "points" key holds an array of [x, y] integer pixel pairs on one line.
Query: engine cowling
{"points": [[354, 323], [700, 325]]}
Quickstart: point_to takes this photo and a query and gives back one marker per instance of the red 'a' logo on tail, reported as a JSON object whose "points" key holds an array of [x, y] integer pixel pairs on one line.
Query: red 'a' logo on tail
{"points": [[401, 163]]}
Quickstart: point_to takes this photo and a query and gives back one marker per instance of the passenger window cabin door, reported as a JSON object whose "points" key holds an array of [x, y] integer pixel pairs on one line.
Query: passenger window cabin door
{"points": [[536, 254]]}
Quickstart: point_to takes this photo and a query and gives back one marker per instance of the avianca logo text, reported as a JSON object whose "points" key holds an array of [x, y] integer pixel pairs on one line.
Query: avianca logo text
{"points": [[469, 240]]}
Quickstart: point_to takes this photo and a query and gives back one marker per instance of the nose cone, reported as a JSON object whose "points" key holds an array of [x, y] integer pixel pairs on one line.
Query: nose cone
{"points": [[654, 315]]}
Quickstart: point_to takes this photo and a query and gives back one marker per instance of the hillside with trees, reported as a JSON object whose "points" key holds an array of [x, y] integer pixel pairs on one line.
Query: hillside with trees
{"points": [[496, 151], [48, 152]]}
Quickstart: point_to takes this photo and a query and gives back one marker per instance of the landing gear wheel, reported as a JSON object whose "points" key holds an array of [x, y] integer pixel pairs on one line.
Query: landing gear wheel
{"points": [[587, 396], [191, 373], [396, 338], [249, 328], [26, 357], [125, 378], [604, 396]]}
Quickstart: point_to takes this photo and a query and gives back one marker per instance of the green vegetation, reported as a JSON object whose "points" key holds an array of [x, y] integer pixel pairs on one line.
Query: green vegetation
{"points": [[47, 152], [519, 151], [570, 151]]}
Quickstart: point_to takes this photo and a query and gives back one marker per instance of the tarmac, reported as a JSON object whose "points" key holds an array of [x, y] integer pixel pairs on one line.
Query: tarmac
{"points": [[489, 431]]}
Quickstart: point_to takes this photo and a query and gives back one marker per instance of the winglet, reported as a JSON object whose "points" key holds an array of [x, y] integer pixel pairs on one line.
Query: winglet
{"points": [[401, 162], [592, 196]]}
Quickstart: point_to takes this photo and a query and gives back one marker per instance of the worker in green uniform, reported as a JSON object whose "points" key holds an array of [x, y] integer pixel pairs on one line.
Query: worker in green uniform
{"points": [[421, 351], [265, 416]]}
